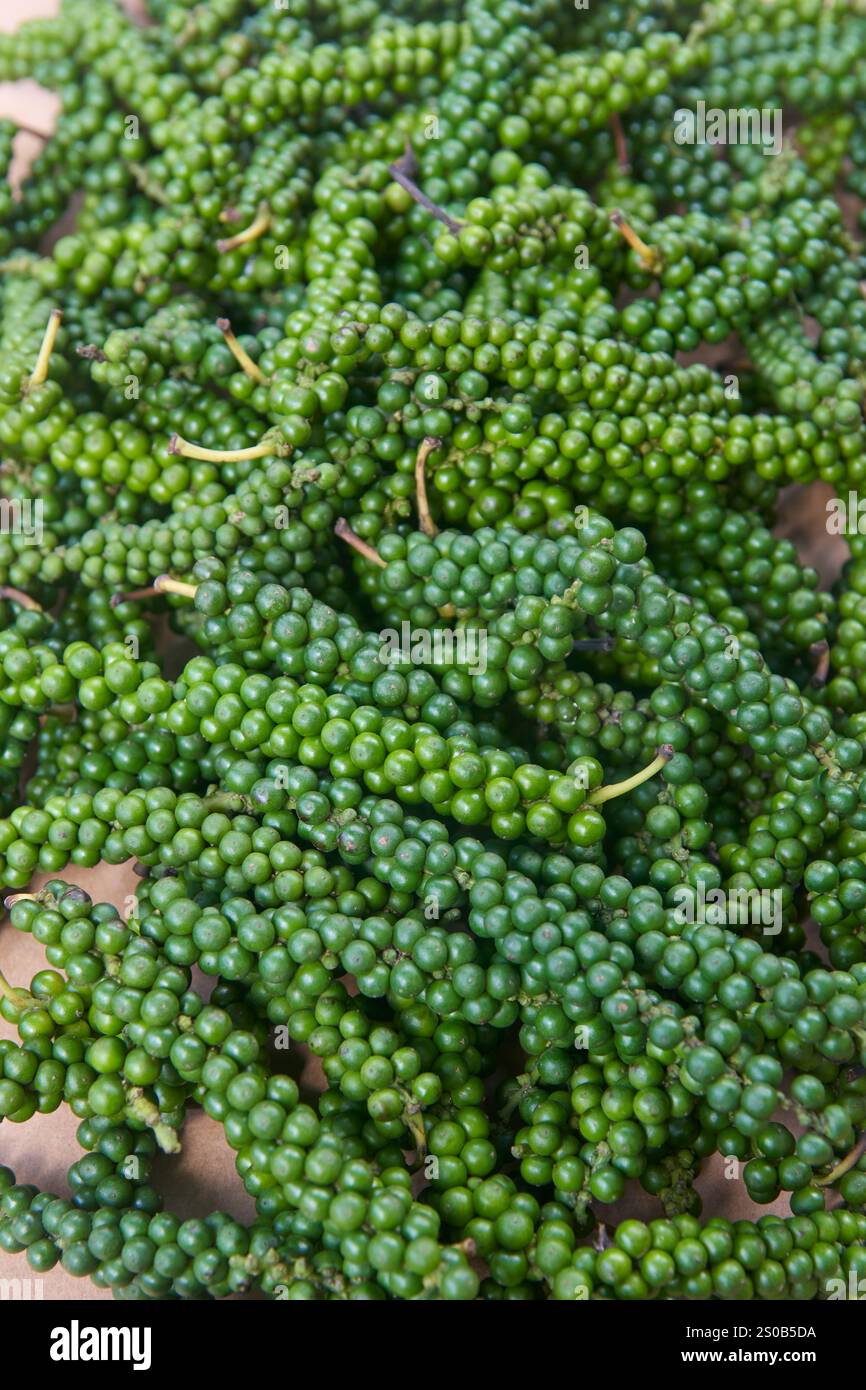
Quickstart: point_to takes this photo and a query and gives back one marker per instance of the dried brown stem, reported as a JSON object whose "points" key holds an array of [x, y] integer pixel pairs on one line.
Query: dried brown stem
{"points": [[18, 596], [150, 592], [343, 530], [821, 653], [594, 644], [401, 171], [425, 520], [622, 158]]}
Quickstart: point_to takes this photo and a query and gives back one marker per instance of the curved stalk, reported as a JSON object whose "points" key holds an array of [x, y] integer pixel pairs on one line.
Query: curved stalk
{"points": [[18, 596], [844, 1165], [649, 257], [425, 520], [239, 353], [257, 228], [607, 793], [343, 530], [40, 371], [269, 445]]}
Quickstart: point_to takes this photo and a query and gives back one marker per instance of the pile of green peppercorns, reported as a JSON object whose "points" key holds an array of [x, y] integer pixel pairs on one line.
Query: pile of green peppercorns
{"points": [[406, 364]]}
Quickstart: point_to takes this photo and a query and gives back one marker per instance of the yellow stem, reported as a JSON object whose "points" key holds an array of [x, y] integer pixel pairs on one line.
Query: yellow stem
{"points": [[844, 1165], [257, 228], [14, 898], [414, 1122], [148, 184], [345, 533], [649, 257], [140, 1108], [601, 794], [239, 353], [425, 520], [18, 265], [164, 584], [269, 445], [17, 996], [40, 371]]}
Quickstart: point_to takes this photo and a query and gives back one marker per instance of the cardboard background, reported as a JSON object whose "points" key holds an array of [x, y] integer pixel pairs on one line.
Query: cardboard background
{"points": [[202, 1178]]}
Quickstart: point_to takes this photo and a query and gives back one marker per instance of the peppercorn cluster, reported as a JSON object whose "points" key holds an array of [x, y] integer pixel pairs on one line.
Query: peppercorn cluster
{"points": [[408, 363]]}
